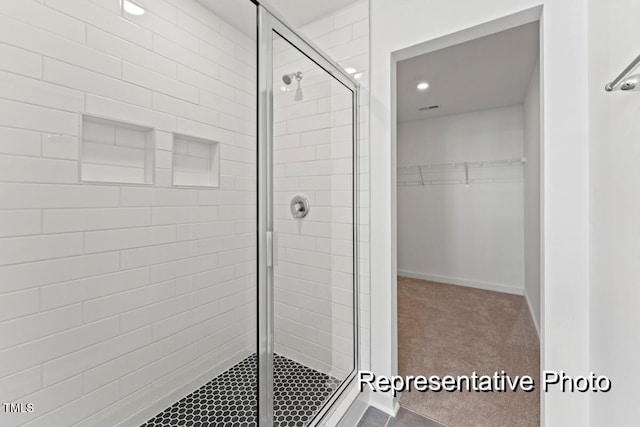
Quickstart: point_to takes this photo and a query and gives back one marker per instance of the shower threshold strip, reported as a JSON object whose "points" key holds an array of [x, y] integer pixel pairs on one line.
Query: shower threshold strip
{"points": [[230, 399]]}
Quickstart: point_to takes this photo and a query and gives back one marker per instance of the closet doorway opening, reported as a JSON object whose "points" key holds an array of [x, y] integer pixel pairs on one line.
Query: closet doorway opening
{"points": [[468, 140]]}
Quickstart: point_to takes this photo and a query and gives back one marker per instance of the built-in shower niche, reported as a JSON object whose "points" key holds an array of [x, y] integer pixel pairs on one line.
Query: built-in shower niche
{"points": [[196, 162], [116, 152]]}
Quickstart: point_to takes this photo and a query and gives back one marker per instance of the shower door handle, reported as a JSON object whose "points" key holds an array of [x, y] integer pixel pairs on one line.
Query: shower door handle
{"points": [[269, 248]]}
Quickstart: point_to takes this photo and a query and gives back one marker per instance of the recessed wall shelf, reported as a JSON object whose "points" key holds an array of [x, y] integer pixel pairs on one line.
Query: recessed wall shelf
{"points": [[115, 152], [196, 162]]}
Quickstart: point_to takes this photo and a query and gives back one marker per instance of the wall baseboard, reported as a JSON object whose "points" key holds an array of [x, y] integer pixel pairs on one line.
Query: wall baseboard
{"points": [[533, 317], [385, 402], [497, 287]]}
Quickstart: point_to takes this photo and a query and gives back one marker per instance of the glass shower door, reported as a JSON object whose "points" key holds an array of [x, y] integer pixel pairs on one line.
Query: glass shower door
{"points": [[310, 229]]}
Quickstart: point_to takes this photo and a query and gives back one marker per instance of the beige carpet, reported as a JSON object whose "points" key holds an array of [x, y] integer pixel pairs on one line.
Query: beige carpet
{"points": [[454, 330]]}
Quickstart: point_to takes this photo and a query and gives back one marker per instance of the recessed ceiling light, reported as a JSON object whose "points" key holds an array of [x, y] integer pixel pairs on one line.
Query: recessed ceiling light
{"points": [[357, 75], [350, 70], [132, 8], [423, 86]]}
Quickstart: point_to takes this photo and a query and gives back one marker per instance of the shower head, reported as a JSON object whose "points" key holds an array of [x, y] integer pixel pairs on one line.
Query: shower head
{"points": [[288, 78]]}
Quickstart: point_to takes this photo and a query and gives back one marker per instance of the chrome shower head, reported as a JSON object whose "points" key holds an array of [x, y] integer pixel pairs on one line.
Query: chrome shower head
{"points": [[288, 78]]}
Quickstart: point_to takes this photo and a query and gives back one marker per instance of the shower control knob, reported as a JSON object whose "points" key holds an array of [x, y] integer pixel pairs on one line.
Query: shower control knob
{"points": [[299, 206]]}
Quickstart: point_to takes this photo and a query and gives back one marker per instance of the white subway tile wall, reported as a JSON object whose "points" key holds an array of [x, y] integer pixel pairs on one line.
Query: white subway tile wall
{"points": [[331, 34], [313, 156], [115, 298]]}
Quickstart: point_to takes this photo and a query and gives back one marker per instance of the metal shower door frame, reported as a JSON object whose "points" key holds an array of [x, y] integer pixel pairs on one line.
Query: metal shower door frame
{"points": [[269, 23]]}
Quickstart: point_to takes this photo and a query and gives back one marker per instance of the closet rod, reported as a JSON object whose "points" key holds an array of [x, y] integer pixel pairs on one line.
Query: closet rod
{"points": [[478, 163], [416, 183]]}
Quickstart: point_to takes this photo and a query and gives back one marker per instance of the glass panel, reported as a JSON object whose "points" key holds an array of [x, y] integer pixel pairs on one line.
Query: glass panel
{"points": [[313, 234]]}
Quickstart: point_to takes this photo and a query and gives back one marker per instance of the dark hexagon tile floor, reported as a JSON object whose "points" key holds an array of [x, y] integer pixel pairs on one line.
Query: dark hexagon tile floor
{"points": [[230, 399]]}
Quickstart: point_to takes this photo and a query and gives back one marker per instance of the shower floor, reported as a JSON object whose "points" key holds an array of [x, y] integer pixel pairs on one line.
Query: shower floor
{"points": [[230, 399]]}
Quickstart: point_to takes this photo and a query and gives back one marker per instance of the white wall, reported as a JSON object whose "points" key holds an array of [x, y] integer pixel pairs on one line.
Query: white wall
{"points": [[532, 145], [469, 236], [400, 24], [115, 296], [615, 209]]}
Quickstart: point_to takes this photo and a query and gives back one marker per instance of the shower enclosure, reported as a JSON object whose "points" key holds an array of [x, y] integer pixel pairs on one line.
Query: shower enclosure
{"points": [[308, 190], [178, 216]]}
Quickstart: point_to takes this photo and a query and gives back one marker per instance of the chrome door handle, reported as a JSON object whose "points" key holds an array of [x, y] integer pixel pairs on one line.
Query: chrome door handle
{"points": [[269, 248]]}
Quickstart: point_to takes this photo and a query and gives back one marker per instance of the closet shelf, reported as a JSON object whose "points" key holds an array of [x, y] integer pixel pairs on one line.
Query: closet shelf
{"points": [[447, 173], [476, 163]]}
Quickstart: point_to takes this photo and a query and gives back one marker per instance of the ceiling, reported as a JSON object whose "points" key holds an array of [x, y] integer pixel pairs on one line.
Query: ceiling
{"points": [[241, 13], [301, 12], [489, 72]]}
